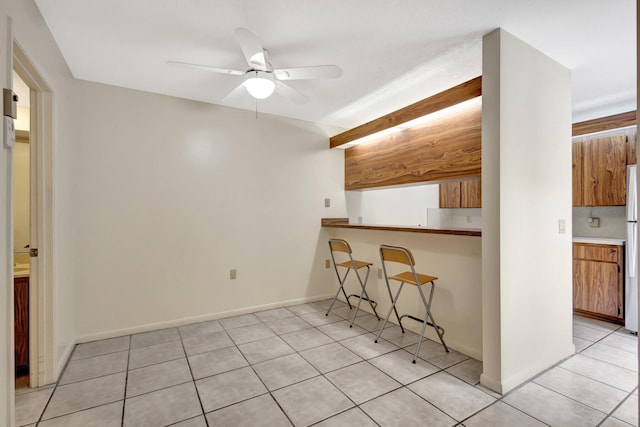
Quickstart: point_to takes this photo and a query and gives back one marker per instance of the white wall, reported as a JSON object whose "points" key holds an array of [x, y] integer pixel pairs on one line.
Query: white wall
{"points": [[455, 260], [416, 205], [613, 221], [157, 198], [393, 206], [168, 195], [526, 138]]}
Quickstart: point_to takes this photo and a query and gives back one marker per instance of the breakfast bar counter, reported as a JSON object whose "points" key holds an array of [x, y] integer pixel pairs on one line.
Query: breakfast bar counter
{"points": [[344, 223], [454, 255]]}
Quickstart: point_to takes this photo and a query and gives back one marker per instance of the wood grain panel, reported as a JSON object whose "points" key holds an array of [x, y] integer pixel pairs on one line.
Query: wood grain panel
{"points": [[577, 172], [444, 148], [593, 252], [449, 194], [605, 171], [632, 158], [596, 287], [598, 281], [425, 230], [471, 193], [457, 94], [604, 123], [21, 320], [327, 222]]}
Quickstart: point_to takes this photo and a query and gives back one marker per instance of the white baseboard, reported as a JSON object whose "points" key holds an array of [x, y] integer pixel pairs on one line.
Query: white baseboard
{"points": [[192, 319], [62, 360]]}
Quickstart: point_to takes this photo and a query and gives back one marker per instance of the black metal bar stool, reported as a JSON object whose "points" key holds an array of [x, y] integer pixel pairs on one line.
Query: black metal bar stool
{"points": [[343, 247], [402, 255]]}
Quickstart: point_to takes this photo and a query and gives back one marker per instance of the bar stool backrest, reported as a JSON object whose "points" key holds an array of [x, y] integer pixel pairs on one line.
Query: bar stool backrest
{"points": [[339, 245], [397, 254]]}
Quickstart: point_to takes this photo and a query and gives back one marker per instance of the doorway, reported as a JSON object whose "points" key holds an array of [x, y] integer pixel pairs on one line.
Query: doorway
{"points": [[21, 231], [38, 256]]}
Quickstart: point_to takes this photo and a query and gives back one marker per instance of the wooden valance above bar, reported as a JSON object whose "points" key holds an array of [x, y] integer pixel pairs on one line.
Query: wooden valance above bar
{"points": [[344, 223], [604, 123], [455, 95]]}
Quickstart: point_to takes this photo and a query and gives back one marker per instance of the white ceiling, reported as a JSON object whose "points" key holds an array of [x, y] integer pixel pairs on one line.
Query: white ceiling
{"points": [[393, 52]]}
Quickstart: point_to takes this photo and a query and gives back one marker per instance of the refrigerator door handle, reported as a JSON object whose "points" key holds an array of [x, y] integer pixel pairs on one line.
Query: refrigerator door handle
{"points": [[632, 249]]}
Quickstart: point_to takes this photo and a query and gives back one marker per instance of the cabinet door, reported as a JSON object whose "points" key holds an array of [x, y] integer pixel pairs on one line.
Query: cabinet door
{"points": [[576, 149], [471, 193], [21, 319], [631, 148], [595, 287], [450, 194], [605, 171]]}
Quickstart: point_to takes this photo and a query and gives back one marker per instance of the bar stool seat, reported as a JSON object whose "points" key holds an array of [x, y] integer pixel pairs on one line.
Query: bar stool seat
{"points": [[402, 255], [341, 246], [407, 277]]}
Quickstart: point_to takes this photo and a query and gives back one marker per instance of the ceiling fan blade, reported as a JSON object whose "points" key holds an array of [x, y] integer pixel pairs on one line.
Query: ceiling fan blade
{"points": [[289, 92], [302, 73], [252, 49], [236, 93], [207, 68]]}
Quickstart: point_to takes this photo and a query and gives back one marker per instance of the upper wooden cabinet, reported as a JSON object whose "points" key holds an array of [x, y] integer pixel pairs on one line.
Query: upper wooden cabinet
{"points": [[600, 171], [577, 174], [461, 194], [599, 162]]}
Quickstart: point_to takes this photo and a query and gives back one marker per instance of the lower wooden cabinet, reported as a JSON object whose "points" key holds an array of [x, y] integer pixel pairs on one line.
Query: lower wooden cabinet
{"points": [[598, 281], [21, 320]]}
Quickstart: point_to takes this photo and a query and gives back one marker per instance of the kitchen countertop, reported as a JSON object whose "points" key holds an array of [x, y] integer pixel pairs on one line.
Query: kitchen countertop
{"points": [[599, 240]]}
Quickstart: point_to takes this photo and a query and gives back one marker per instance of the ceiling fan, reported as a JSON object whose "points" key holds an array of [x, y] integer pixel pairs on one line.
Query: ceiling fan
{"points": [[261, 79]]}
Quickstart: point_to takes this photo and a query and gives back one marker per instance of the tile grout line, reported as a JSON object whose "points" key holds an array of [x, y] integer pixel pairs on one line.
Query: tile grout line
{"points": [[55, 387], [610, 414], [193, 380], [321, 374], [126, 379]]}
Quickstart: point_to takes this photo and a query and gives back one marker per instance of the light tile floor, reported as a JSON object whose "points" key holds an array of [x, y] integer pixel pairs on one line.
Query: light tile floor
{"points": [[296, 366]]}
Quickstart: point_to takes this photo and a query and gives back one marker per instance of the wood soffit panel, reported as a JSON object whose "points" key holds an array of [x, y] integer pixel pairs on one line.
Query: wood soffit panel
{"points": [[455, 95], [604, 123]]}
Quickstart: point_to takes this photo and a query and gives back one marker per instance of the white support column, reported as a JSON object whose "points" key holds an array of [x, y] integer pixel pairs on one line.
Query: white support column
{"points": [[526, 180]]}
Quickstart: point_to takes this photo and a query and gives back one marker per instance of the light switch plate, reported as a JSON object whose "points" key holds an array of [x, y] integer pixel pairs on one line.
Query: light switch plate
{"points": [[562, 226]]}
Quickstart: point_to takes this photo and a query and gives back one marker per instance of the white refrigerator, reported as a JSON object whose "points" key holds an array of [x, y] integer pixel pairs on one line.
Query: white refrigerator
{"points": [[631, 282]]}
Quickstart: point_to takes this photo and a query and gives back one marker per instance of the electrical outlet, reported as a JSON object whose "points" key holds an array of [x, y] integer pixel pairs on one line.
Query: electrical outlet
{"points": [[594, 222], [327, 263], [379, 273], [232, 274], [327, 203]]}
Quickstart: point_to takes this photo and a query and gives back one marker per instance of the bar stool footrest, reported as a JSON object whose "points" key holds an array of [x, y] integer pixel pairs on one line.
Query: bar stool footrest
{"points": [[375, 304], [439, 329]]}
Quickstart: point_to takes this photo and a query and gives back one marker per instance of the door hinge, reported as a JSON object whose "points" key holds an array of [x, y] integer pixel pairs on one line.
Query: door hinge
{"points": [[33, 252]]}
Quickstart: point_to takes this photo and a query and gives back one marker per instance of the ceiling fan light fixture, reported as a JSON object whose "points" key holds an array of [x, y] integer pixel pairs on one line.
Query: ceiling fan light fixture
{"points": [[259, 84]]}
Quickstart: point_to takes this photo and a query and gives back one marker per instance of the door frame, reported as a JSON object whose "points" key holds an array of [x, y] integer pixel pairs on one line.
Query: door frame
{"points": [[41, 281]]}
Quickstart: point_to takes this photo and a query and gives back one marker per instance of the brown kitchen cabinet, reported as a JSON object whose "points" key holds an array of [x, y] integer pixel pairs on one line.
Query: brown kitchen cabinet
{"points": [[21, 321], [598, 281], [461, 194], [600, 171], [576, 150]]}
